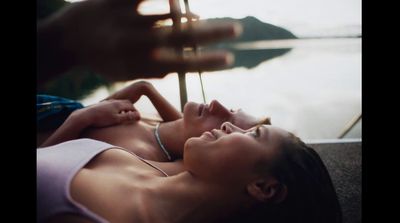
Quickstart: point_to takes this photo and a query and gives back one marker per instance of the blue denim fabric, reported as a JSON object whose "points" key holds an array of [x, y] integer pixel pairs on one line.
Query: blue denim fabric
{"points": [[51, 111]]}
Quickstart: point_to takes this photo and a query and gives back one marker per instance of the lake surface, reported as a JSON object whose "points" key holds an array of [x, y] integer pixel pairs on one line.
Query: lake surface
{"points": [[311, 87]]}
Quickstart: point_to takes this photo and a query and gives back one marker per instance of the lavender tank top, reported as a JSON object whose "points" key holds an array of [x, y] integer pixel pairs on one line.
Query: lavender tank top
{"points": [[56, 166]]}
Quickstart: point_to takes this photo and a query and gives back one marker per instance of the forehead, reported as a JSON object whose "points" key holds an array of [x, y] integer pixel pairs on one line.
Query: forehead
{"points": [[272, 134], [244, 120], [240, 112], [271, 129]]}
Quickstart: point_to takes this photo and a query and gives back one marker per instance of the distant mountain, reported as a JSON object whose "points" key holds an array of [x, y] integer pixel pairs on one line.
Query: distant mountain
{"points": [[255, 30]]}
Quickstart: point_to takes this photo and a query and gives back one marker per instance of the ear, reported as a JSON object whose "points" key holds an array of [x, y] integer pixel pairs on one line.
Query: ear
{"points": [[267, 190]]}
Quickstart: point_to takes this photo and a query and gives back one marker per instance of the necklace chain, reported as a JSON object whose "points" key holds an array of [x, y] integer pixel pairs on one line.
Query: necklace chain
{"points": [[159, 142], [145, 161]]}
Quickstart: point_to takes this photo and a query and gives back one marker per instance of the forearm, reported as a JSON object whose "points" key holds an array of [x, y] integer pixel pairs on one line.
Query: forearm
{"points": [[133, 92], [69, 130], [166, 110]]}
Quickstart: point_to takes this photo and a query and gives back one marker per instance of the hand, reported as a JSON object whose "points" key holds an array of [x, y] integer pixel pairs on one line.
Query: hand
{"points": [[113, 39], [132, 92], [109, 112]]}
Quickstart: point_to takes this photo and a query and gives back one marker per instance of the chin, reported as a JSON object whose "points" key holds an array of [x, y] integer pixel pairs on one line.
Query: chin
{"points": [[187, 146], [189, 108], [190, 142], [193, 142], [190, 115]]}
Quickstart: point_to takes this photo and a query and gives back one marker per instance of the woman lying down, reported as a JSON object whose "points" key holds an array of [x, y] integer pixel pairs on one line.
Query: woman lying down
{"points": [[209, 164]]}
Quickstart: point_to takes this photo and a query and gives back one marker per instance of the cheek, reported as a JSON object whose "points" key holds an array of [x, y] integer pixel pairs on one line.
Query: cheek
{"points": [[236, 155], [241, 154], [195, 128], [208, 125], [246, 123], [195, 156], [212, 122], [221, 162], [232, 160], [229, 168]]}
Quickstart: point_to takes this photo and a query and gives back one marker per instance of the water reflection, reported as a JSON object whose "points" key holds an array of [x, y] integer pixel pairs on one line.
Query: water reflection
{"points": [[78, 84], [253, 57], [313, 89]]}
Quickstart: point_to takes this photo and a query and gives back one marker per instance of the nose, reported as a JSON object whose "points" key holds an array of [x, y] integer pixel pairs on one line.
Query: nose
{"points": [[228, 128], [218, 109]]}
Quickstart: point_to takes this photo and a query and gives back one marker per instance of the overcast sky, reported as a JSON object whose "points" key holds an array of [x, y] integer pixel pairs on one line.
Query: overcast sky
{"points": [[299, 16]]}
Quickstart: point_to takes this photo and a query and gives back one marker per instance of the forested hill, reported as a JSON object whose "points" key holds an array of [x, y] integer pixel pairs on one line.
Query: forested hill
{"points": [[254, 30]]}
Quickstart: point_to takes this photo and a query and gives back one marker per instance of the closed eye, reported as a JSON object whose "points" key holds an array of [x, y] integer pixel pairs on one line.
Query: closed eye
{"points": [[235, 110], [256, 132]]}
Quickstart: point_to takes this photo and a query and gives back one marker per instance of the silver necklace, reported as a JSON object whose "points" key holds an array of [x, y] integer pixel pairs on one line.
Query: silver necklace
{"points": [[160, 144], [145, 161]]}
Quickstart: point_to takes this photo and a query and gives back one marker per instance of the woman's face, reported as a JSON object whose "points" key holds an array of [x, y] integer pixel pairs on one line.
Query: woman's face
{"points": [[199, 118], [229, 154]]}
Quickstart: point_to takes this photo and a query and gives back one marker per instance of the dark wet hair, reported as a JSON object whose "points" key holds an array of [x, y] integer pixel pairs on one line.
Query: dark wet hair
{"points": [[311, 196]]}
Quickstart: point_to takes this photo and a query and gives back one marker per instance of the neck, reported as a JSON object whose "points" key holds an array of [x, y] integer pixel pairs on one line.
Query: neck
{"points": [[183, 198], [172, 137]]}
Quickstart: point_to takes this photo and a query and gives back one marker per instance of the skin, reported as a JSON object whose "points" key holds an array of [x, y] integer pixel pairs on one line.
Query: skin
{"points": [[121, 188], [225, 144], [204, 117], [117, 122], [111, 38]]}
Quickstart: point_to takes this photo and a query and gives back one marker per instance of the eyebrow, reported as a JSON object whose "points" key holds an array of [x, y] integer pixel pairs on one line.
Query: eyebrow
{"points": [[265, 121]]}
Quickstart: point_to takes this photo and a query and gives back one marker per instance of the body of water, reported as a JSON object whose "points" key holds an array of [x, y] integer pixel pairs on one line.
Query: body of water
{"points": [[312, 88]]}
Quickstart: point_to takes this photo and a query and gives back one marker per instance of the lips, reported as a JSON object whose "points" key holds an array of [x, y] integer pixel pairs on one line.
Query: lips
{"points": [[209, 135], [201, 107], [214, 132], [212, 105], [209, 108]]}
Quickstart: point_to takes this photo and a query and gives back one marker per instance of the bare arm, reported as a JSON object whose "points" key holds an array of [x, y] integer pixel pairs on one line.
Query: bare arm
{"points": [[166, 110], [134, 91], [101, 114], [70, 129]]}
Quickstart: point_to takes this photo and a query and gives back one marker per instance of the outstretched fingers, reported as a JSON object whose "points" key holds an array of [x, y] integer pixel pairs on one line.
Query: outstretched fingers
{"points": [[124, 3], [150, 20], [132, 41], [199, 33]]}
